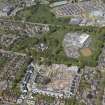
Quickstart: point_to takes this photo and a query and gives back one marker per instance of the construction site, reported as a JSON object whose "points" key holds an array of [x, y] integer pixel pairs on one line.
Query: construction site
{"points": [[56, 80]]}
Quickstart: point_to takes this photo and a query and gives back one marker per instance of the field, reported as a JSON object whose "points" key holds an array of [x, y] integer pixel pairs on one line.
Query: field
{"points": [[86, 52], [40, 14]]}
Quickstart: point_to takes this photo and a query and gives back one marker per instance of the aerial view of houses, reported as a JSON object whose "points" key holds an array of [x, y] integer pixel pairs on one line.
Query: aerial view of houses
{"points": [[52, 52]]}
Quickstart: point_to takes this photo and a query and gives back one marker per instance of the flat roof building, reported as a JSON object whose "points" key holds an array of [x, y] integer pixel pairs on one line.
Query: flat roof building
{"points": [[75, 21], [58, 3], [75, 39]]}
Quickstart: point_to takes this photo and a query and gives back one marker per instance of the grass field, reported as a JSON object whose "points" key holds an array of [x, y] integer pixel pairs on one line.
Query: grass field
{"points": [[40, 14], [86, 52]]}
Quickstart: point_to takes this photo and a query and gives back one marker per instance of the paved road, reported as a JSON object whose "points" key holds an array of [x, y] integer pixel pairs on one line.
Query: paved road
{"points": [[31, 23], [4, 51]]}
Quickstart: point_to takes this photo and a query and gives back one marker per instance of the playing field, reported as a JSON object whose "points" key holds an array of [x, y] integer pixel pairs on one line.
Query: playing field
{"points": [[86, 52]]}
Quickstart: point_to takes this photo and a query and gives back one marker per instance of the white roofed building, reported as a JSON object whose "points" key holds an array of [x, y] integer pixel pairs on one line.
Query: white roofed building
{"points": [[75, 39]]}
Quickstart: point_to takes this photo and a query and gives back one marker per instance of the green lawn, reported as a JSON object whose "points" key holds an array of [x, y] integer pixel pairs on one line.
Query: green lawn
{"points": [[40, 14]]}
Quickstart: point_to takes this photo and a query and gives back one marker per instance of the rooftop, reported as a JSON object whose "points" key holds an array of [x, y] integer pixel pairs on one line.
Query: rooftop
{"points": [[75, 39]]}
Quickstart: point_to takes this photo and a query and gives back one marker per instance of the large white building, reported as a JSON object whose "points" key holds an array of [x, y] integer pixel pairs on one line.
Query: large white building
{"points": [[75, 39]]}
